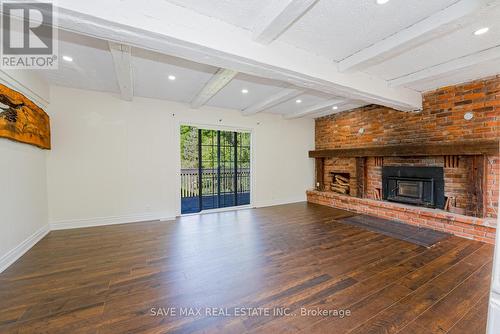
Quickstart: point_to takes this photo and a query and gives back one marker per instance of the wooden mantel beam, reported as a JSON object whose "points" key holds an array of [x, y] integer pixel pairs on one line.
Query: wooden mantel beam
{"points": [[487, 147]]}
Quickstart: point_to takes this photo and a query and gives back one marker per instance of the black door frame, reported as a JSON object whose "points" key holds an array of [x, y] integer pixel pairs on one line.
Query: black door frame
{"points": [[236, 179]]}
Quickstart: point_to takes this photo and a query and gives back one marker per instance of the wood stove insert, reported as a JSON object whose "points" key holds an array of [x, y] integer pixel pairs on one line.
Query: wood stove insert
{"points": [[422, 186]]}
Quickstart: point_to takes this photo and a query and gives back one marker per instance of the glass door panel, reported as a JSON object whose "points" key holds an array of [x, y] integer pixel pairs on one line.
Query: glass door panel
{"points": [[227, 176], [223, 169], [190, 176], [208, 169], [243, 168]]}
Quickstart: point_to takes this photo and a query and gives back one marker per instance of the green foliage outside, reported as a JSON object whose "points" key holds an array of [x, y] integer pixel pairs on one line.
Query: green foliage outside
{"points": [[189, 148]]}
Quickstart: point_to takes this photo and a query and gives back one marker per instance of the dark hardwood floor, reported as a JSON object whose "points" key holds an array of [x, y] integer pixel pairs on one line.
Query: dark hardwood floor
{"points": [[295, 258]]}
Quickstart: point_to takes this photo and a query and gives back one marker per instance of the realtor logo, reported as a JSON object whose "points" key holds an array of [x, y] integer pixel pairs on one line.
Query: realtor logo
{"points": [[28, 36]]}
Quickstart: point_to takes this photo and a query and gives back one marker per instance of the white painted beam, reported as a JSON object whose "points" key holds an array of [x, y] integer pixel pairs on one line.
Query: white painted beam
{"points": [[445, 21], [277, 17], [218, 81], [315, 109], [165, 28], [122, 61], [272, 101], [348, 105], [448, 67]]}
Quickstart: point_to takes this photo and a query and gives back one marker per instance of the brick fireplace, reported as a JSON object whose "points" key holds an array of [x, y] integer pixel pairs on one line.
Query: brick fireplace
{"points": [[439, 138]]}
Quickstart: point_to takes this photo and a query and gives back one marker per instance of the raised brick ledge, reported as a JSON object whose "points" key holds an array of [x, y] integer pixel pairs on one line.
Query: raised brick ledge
{"points": [[460, 225]]}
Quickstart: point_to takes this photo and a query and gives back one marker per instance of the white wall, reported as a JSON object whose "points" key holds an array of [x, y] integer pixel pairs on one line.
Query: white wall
{"points": [[494, 303], [28, 83], [115, 161], [23, 191]]}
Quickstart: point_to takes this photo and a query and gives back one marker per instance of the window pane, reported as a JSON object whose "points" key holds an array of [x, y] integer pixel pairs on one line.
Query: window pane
{"points": [[189, 147], [244, 139]]}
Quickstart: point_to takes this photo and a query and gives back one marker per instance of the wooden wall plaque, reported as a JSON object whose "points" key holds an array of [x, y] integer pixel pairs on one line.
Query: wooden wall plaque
{"points": [[22, 120]]}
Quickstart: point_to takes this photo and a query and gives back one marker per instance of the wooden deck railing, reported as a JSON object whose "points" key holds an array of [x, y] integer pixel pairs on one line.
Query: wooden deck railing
{"points": [[190, 181]]}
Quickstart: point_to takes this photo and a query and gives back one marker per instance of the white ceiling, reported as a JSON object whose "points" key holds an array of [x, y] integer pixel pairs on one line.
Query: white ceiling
{"points": [[348, 26], [150, 73], [331, 29], [92, 68], [258, 89], [457, 44], [241, 13], [466, 74], [308, 100]]}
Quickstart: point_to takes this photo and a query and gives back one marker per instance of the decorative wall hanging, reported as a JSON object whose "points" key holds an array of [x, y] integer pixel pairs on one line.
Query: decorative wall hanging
{"points": [[22, 120]]}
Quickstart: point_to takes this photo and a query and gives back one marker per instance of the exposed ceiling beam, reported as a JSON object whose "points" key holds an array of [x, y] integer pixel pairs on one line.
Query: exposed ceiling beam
{"points": [[448, 67], [445, 21], [174, 30], [122, 61], [272, 101], [218, 81], [277, 17], [348, 105], [315, 109]]}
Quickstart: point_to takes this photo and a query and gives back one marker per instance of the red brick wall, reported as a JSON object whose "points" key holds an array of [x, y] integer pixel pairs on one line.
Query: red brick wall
{"points": [[442, 120], [493, 179]]}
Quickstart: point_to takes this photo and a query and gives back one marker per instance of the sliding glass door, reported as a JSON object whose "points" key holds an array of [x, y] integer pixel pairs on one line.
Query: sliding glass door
{"points": [[215, 169]]}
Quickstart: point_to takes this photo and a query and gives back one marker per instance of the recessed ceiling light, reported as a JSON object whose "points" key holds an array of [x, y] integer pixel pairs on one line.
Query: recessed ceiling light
{"points": [[382, 2], [298, 101], [481, 31], [68, 58], [171, 77], [335, 107], [244, 91]]}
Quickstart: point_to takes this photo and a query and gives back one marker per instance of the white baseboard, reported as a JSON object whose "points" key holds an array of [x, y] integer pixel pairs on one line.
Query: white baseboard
{"points": [[14, 254], [102, 221], [17, 252], [23, 247]]}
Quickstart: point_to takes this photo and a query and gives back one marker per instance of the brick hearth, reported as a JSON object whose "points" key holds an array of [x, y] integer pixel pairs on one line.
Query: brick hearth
{"points": [[460, 225]]}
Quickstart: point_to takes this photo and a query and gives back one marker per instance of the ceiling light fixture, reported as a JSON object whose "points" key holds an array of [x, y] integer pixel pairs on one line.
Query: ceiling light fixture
{"points": [[382, 2], [481, 31], [298, 101], [171, 77], [244, 91], [335, 107], [67, 58]]}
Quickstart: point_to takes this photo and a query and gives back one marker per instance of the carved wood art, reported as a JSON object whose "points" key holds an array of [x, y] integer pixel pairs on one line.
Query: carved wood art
{"points": [[22, 120]]}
